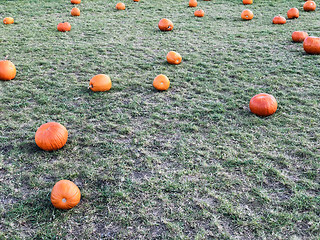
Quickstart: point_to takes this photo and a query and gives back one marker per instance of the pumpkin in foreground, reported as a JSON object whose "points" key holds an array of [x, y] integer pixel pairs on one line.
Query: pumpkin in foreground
{"points": [[64, 27], [246, 14], [8, 20], [293, 13], [193, 3], [199, 13], [51, 136], [65, 195], [299, 36], [7, 70], [174, 58], [263, 104], [100, 83], [309, 6], [312, 45], [75, 12], [120, 6], [161, 82], [165, 25]]}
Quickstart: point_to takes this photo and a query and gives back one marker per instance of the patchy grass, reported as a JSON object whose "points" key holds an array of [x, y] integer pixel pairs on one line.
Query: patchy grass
{"points": [[188, 163]]}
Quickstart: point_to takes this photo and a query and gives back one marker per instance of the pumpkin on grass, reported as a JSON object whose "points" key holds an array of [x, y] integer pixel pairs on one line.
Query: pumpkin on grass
{"points": [[161, 82], [75, 1], [136, 0], [246, 14], [193, 3], [174, 57], [247, 2], [299, 36], [263, 104], [199, 13], [312, 45], [7, 70], [64, 27], [279, 20], [65, 195], [165, 25], [8, 20], [75, 12], [51, 136], [309, 6], [293, 13], [120, 6], [100, 83]]}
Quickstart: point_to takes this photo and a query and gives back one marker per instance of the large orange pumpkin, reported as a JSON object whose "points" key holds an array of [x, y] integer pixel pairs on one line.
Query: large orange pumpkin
{"points": [[246, 14], [64, 27], [100, 83], [309, 6], [279, 20], [293, 13], [193, 3], [65, 195], [312, 45], [199, 13], [247, 1], [75, 12], [299, 36], [51, 136], [165, 25], [263, 104], [120, 6], [161, 82], [7, 70], [75, 1], [8, 20], [174, 57]]}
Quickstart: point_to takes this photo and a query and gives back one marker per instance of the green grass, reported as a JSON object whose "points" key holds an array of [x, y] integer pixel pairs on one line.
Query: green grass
{"points": [[188, 163]]}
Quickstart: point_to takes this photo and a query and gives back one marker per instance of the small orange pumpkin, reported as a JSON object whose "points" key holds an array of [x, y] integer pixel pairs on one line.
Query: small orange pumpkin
{"points": [[174, 57], [100, 83], [120, 6], [8, 20], [293, 13], [165, 25], [312, 45], [7, 70], [51, 136], [161, 82], [246, 14], [299, 36], [136, 0], [193, 3], [279, 20], [75, 12], [309, 6], [199, 13], [247, 2], [64, 27], [75, 1], [65, 195], [263, 104]]}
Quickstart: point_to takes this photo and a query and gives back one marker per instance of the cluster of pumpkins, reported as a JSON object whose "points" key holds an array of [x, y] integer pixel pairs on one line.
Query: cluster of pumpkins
{"points": [[53, 136], [310, 44]]}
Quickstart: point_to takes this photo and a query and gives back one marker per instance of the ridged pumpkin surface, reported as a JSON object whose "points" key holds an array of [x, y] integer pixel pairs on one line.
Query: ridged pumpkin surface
{"points": [[65, 195]]}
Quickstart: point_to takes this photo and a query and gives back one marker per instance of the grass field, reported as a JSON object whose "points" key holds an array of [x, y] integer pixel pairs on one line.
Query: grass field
{"points": [[188, 163]]}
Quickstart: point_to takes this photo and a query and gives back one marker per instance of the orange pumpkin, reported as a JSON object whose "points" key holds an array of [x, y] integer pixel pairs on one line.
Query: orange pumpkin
{"points": [[199, 13], [263, 104], [309, 6], [299, 36], [51, 136], [64, 27], [65, 195], [165, 25], [136, 0], [312, 45], [75, 12], [279, 20], [7, 70], [100, 83], [120, 6], [193, 3], [246, 14], [8, 20], [293, 13], [75, 1], [174, 57], [247, 2], [161, 82]]}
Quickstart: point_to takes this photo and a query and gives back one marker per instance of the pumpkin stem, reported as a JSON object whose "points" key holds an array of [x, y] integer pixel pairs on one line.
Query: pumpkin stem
{"points": [[90, 86]]}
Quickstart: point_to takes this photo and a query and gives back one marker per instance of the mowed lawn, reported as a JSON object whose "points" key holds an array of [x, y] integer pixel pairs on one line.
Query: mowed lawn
{"points": [[188, 163]]}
